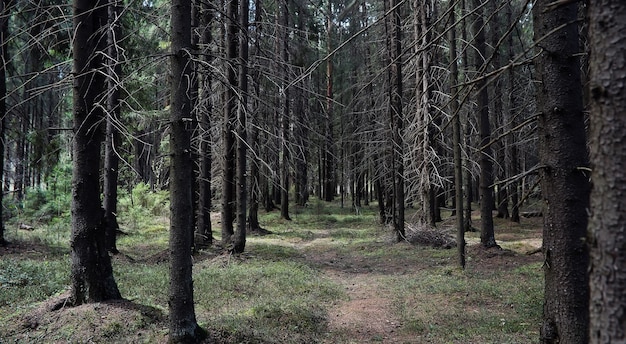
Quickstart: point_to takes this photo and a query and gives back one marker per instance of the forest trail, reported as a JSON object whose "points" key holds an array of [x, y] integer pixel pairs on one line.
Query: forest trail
{"points": [[366, 314]]}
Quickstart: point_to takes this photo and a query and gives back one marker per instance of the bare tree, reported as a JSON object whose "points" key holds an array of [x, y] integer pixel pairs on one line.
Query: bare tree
{"points": [[4, 28]]}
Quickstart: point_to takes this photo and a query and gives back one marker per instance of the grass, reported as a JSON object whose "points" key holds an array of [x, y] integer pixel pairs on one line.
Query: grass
{"points": [[279, 291]]}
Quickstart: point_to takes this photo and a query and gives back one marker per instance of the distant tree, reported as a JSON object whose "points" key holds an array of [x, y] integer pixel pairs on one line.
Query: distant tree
{"points": [[112, 140], [564, 177], [4, 25], [607, 34], [285, 114], [91, 273], [397, 117], [229, 145], [204, 235], [456, 139], [487, 237], [239, 241], [183, 327]]}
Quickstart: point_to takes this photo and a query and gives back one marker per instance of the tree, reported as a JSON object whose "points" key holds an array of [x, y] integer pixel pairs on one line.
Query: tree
{"points": [[228, 171], [239, 241], [183, 327], [283, 43], [564, 180], [91, 273], [4, 24], [204, 235], [487, 237], [112, 141], [456, 127], [397, 118], [608, 157]]}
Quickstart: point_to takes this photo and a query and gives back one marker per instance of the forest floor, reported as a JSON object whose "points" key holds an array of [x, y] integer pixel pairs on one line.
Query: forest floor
{"points": [[387, 292]]}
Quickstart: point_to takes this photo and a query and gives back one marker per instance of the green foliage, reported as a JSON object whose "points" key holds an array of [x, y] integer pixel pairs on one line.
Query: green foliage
{"points": [[140, 206], [23, 282]]}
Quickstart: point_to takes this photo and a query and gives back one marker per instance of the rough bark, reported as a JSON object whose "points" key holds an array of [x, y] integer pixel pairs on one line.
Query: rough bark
{"points": [[183, 327], [607, 225], [565, 182], [91, 271]]}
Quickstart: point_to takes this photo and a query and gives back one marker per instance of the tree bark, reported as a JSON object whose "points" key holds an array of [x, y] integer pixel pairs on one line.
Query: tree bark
{"points": [[183, 327], [91, 272], [565, 185], [608, 156]]}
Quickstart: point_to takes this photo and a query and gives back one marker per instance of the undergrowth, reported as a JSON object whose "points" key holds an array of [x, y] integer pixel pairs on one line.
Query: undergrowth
{"points": [[278, 290]]}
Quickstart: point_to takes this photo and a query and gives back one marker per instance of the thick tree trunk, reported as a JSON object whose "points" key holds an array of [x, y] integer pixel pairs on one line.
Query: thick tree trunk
{"points": [[565, 182], [91, 273], [183, 327], [608, 157]]}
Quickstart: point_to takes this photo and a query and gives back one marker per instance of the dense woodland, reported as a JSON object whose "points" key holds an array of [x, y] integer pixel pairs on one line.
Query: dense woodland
{"points": [[239, 107]]}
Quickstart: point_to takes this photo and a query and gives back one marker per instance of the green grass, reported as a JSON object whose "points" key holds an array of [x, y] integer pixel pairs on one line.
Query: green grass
{"points": [[277, 291]]}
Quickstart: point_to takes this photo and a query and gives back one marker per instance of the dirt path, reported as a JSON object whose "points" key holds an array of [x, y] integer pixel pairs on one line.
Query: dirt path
{"points": [[366, 315]]}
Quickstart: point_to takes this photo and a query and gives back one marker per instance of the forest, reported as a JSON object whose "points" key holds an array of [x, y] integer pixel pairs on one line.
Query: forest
{"points": [[313, 171]]}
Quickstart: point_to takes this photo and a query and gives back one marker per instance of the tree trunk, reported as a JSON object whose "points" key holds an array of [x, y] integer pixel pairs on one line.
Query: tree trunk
{"points": [[91, 274], [111, 154], [183, 327], [284, 105], [565, 183], [239, 242], [397, 118], [456, 141], [204, 234], [4, 29], [487, 237], [228, 172], [608, 157], [513, 106]]}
